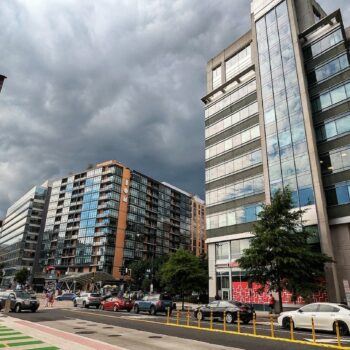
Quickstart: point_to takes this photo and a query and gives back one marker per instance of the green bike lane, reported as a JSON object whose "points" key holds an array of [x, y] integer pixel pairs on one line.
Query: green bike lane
{"points": [[12, 338]]}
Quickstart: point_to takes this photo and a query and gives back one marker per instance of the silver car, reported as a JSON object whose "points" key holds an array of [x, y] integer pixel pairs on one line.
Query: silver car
{"points": [[87, 300]]}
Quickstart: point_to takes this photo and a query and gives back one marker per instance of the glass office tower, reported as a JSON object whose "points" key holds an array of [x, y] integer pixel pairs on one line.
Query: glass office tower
{"points": [[276, 115]]}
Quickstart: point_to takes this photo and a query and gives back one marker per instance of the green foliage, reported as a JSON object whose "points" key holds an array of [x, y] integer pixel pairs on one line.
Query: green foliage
{"points": [[145, 272], [280, 255], [184, 273], [21, 276]]}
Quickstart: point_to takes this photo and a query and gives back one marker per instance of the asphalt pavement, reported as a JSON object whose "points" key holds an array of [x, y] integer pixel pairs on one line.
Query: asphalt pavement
{"points": [[142, 331]]}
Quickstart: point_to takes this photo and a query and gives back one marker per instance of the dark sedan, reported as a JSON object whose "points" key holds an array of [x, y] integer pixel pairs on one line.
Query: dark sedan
{"points": [[230, 308], [66, 296]]}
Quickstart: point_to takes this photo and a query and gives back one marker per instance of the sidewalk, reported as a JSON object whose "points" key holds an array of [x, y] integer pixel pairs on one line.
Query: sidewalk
{"points": [[25, 335]]}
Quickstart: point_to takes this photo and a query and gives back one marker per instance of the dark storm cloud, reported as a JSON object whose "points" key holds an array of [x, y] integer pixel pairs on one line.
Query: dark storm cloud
{"points": [[95, 80]]}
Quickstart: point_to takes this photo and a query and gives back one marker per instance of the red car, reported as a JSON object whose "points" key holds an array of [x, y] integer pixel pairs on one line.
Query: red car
{"points": [[116, 304]]}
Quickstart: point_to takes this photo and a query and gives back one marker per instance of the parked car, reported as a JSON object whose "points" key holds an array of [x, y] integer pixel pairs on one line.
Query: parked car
{"points": [[88, 299], [19, 300], [66, 296], [155, 303], [229, 307], [116, 304], [324, 315]]}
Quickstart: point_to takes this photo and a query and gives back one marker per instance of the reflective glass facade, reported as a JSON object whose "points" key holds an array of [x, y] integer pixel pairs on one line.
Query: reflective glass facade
{"points": [[287, 153], [20, 233]]}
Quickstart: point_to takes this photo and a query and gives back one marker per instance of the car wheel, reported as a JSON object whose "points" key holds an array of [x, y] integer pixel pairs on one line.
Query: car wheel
{"points": [[129, 310], [75, 303], [136, 309], [286, 323], [115, 308], [229, 317], [200, 316], [153, 311], [18, 308], [84, 305], [343, 328], [33, 310]]}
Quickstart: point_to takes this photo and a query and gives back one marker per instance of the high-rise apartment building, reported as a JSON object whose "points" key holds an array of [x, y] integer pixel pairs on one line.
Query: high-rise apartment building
{"points": [[277, 114], [20, 232], [109, 215]]}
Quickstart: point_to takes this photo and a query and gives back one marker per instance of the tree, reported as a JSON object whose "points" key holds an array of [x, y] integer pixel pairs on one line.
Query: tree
{"points": [[22, 275], [184, 273], [145, 272], [280, 255]]}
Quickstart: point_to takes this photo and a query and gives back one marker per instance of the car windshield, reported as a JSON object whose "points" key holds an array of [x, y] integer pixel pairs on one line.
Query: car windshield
{"points": [[23, 295], [95, 295], [344, 306]]}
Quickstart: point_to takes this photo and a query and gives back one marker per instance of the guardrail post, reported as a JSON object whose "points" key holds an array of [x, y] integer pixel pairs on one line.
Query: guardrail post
{"points": [[211, 320], [272, 327], [291, 328], [254, 323], [168, 315], [188, 317], [238, 322], [313, 330], [224, 320], [338, 333], [177, 317]]}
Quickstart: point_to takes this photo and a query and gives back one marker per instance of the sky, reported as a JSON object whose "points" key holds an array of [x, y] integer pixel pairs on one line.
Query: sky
{"points": [[91, 80]]}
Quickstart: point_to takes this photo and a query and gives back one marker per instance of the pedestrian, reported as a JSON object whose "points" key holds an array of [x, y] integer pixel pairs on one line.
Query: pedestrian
{"points": [[272, 304], [47, 297]]}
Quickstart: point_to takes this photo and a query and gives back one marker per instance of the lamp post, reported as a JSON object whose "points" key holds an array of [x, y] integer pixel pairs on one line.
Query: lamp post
{"points": [[2, 78]]}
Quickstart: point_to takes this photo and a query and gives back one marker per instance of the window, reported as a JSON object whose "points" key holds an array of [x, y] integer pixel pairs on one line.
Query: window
{"points": [[216, 77], [310, 308], [222, 251], [327, 308]]}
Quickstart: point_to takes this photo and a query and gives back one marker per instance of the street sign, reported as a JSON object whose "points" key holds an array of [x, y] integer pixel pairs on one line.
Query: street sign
{"points": [[347, 291]]}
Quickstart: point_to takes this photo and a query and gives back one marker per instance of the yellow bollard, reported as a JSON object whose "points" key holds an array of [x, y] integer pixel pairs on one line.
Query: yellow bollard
{"points": [[177, 317], [168, 316], [254, 323], [272, 327], [224, 320], [291, 329], [188, 317], [313, 330], [211, 320], [238, 322], [338, 333]]}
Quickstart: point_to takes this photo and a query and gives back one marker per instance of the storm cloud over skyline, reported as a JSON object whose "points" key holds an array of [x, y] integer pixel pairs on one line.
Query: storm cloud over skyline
{"points": [[95, 80]]}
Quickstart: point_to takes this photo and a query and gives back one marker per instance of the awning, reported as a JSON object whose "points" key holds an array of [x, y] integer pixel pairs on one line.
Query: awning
{"points": [[87, 277]]}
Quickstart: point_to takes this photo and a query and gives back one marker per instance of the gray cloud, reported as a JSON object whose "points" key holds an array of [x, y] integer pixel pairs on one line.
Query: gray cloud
{"points": [[90, 81]]}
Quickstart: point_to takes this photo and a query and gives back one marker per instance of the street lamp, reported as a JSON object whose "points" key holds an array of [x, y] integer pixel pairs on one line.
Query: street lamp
{"points": [[2, 78]]}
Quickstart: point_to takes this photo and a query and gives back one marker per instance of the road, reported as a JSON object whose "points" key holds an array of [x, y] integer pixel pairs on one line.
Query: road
{"points": [[115, 328]]}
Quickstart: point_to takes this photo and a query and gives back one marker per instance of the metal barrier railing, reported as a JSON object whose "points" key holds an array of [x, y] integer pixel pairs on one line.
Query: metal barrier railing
{"points": [[184, 319]]}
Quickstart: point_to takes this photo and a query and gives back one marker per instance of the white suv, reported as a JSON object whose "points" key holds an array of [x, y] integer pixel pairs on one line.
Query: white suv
{"points": [[87, 300], [324, 315]]}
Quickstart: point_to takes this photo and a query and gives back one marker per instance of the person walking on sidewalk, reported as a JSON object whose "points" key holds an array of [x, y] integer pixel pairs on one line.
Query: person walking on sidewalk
{"points": [[272, 302]]}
